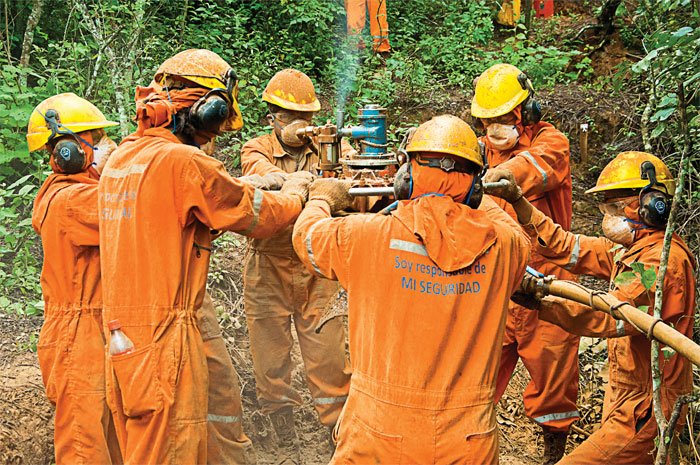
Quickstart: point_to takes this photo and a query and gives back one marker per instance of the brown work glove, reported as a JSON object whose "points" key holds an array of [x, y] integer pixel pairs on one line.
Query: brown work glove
{"points": [[511, 192], [254, 180], [274, 181], [334, 192], [298, 184], [530, 293]]}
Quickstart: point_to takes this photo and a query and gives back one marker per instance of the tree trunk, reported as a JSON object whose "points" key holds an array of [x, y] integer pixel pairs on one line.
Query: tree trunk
{"points": [[528, 16], [607, 16], [664, 434], [117, 64], [32, 21]]}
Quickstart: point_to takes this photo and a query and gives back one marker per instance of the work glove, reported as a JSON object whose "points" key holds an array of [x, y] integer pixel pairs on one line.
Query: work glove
{"points": [[254, 180], [297, 183], [274, 181], [530, 293], [335, 192], [511, 193]]}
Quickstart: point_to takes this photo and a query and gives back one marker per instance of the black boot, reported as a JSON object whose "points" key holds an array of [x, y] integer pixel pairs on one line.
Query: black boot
{"points": [[287, 439], [554, 446]]}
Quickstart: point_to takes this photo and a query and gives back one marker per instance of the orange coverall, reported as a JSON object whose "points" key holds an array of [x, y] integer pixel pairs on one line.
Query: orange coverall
{"points": [[540, 164], [159, 199], [278, 288], [71, 343], [357, 11], [628, 429], [428, 288]]}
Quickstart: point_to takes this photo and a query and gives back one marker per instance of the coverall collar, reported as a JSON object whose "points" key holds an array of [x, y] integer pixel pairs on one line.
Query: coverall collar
{"points": [[435, 220], [646, 238], [41, 207]]}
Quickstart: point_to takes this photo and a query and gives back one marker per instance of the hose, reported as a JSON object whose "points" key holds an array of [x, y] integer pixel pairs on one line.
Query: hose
{"points": [[642, 321]]}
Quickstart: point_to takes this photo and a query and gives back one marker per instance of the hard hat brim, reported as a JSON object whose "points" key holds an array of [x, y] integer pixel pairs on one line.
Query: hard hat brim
{"points": [[37, 140], [273, 99]]}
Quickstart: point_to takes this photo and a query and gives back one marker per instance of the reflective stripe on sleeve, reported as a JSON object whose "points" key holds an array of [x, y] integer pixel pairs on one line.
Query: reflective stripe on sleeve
{"points": [[406, 246], [223, 418], [573, 259], [329, 400], [539, 168], [620, 327], [257, 203], [557, 416], [310, 247]]}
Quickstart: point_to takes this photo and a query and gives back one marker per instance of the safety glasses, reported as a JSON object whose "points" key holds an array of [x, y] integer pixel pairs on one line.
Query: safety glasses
{"points": [[616, 206]]}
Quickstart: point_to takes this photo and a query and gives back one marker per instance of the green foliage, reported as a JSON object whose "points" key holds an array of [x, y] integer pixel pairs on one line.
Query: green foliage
{"points": [[545, 65], [672, 57], [31, 343], [19, 261], [646, 276]]}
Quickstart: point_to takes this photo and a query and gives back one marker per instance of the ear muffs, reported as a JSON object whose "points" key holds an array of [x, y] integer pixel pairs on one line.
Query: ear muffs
{"points": [[403, 182], [654, 206], [476, 192], [209, 112], [654, 209], [69, 156], [531, 110]]}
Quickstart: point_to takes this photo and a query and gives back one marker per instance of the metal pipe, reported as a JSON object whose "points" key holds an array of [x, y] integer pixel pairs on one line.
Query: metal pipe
{"points": [[389, 190]]}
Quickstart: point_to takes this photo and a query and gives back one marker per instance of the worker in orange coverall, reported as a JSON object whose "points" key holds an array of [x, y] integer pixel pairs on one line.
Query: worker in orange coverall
{"points": [[357, 11], [71, 343], [277, 287], [159, 197], [428, 288], [636, 210], [538, 156]]}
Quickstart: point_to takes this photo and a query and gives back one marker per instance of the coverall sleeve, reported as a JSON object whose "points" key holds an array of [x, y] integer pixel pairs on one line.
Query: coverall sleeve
{"points": [[574, 252], [520, 244], [544, 165], [81, 221], [582, 320], [221, 202], [255, 161], [321, 241]]}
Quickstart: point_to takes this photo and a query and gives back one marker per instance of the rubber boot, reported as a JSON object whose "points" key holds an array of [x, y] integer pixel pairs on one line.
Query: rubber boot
{"points": [[287, 439], [554, 446]]}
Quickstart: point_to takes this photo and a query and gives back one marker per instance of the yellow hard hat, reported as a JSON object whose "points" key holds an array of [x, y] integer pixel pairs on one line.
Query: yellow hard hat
{"points": [[291, 90], [71, 113], [447, 134], [203, 68], [624, 172], [499, 90]]}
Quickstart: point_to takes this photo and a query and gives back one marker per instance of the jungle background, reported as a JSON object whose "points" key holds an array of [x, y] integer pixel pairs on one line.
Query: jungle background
{"points": [[628, 69]]}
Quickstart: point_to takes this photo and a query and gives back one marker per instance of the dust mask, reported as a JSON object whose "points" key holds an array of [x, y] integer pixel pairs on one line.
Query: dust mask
{"points": [[618, 229], [288, 134], [502, 136], [101, 152]]}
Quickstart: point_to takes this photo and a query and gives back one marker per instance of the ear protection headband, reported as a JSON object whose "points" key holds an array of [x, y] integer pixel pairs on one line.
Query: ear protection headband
{"points": [[654, 206], [531, 109], [67, 153]]}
